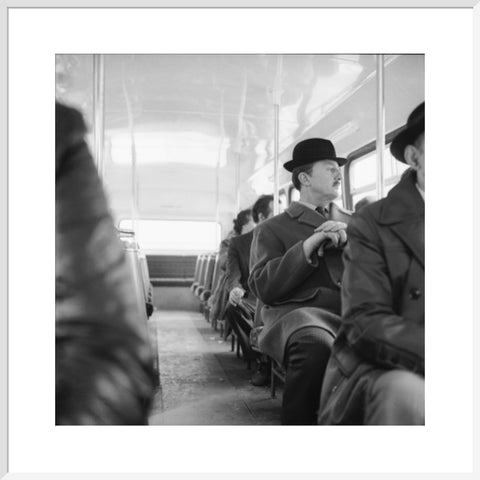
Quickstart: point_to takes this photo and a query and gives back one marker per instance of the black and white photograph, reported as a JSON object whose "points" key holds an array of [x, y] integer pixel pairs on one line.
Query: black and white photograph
{"points": [[232, 266], [222, 196]]}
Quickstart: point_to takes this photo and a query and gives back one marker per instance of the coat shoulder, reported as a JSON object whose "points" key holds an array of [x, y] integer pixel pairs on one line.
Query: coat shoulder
{"points": [[68, 123]]}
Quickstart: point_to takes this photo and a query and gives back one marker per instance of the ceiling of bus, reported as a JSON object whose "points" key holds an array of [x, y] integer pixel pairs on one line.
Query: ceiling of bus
{"points": [[200, 111], [192, 99]]}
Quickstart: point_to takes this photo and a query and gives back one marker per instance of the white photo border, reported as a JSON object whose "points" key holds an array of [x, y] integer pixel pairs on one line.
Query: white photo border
{"points": [[43, 191]]}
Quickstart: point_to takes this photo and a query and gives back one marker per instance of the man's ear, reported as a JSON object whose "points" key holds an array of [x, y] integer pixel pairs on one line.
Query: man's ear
{"points": [[411, 156], [304, 178]]}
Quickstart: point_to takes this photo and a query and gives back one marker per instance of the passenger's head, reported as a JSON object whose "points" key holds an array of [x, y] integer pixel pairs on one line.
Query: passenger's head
{"points": [[364, 202], [262, 208], [243, 223], [409, 145], [315, 169]]}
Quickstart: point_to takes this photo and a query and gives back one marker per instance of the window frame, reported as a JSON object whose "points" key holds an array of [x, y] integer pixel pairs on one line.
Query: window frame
{"points": [[159, 251], [363, 151]]}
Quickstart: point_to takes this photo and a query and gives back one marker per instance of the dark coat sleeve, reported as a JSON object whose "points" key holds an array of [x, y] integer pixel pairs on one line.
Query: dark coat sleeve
{"points": [[275, 272], [372, 327], [234, 272]]}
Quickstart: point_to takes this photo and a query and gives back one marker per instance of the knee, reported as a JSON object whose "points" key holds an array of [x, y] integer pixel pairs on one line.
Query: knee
{"points": [[399, 384], [400, 395], [310, 346]]}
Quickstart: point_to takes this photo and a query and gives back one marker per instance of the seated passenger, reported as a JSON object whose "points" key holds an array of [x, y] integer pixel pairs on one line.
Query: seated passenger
{"points": [[243, 223], [242, 302], [376, 373], [297, 278], [104, 366]]}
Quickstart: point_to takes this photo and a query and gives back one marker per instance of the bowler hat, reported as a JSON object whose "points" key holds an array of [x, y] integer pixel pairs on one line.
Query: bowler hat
{"points": [[312, 150], [410, 132]]}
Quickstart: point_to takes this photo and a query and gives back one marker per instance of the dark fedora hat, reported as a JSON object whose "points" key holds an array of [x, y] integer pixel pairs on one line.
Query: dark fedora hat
{"points": [[312, 150], [410, 132]]}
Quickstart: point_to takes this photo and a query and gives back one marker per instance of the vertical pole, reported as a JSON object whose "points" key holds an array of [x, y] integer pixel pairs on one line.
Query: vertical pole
{"points": [[99, 111], [238, 140], [380, 125], [277, 91], [276, 197], [219, 158], [133, 152], [238, 156]]}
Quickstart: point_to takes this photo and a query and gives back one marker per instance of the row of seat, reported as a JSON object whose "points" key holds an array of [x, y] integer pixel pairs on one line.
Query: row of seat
{"points": [[206, 278], [138, 268]]}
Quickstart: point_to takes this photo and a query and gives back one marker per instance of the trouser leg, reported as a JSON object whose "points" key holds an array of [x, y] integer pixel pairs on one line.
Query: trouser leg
{"points": [[396, 397], [306, 356], [238, 325]]}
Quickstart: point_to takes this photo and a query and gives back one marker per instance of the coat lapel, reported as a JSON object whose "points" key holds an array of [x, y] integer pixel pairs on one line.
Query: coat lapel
{"points": [[404, 212], [413, 236], [304, 215]]}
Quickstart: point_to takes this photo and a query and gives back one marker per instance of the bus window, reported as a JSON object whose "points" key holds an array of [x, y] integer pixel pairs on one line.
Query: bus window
{"points": [[175, 236], [283, 201], [362, 174], [294, 194]]}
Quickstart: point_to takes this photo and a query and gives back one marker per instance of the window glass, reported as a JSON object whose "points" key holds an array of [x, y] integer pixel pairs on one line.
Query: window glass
{"points": [[174, 236], [369, 193], [283, 201], [363, 174], [363, 171], [294, 195]]}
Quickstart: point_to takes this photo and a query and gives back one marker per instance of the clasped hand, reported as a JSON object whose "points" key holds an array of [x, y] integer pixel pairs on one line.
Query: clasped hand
{"points": [[236, 294], [328, 232]]}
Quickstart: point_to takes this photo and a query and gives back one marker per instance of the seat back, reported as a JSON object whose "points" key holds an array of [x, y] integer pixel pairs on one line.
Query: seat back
{"points": [[207, 287], [132, 253]]}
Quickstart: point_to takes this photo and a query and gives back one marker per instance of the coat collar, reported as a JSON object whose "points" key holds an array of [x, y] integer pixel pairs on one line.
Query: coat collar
{"points": [[304, 214], [403, 203], [404, 211], [310, 217]]}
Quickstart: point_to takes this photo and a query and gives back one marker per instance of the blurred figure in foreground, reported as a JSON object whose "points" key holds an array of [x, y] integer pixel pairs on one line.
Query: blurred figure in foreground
{"points": [[104, 366]]}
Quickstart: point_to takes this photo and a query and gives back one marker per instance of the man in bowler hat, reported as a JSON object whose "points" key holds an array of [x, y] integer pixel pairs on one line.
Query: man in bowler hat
{"points": [[376, 373], [296, 268]]}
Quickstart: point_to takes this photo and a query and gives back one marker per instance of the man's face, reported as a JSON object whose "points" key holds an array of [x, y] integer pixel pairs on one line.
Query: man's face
{"points": [[326, 179], [249, 226], [420, 146], [415, 157], [270, 210], [269, 213]]}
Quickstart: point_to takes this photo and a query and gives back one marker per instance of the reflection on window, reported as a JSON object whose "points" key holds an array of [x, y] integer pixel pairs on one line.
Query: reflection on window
{"points": [[363, 174], [172, 147], [283, 201], [175, 236], [361, 196]]}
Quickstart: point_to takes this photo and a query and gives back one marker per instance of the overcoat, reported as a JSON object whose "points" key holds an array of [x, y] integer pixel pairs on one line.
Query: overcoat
{"points": [[238, 269], [294, 292], [238, 259], [219, 298], [104, 364], [383, 301]]}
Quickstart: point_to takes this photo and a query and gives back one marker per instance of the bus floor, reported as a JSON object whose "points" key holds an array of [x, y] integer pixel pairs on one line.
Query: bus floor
{"points": [[202, 382]]}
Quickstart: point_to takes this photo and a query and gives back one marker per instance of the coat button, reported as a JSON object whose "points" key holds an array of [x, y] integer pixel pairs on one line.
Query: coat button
{"points": [[339, 283], [415, 294]]}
